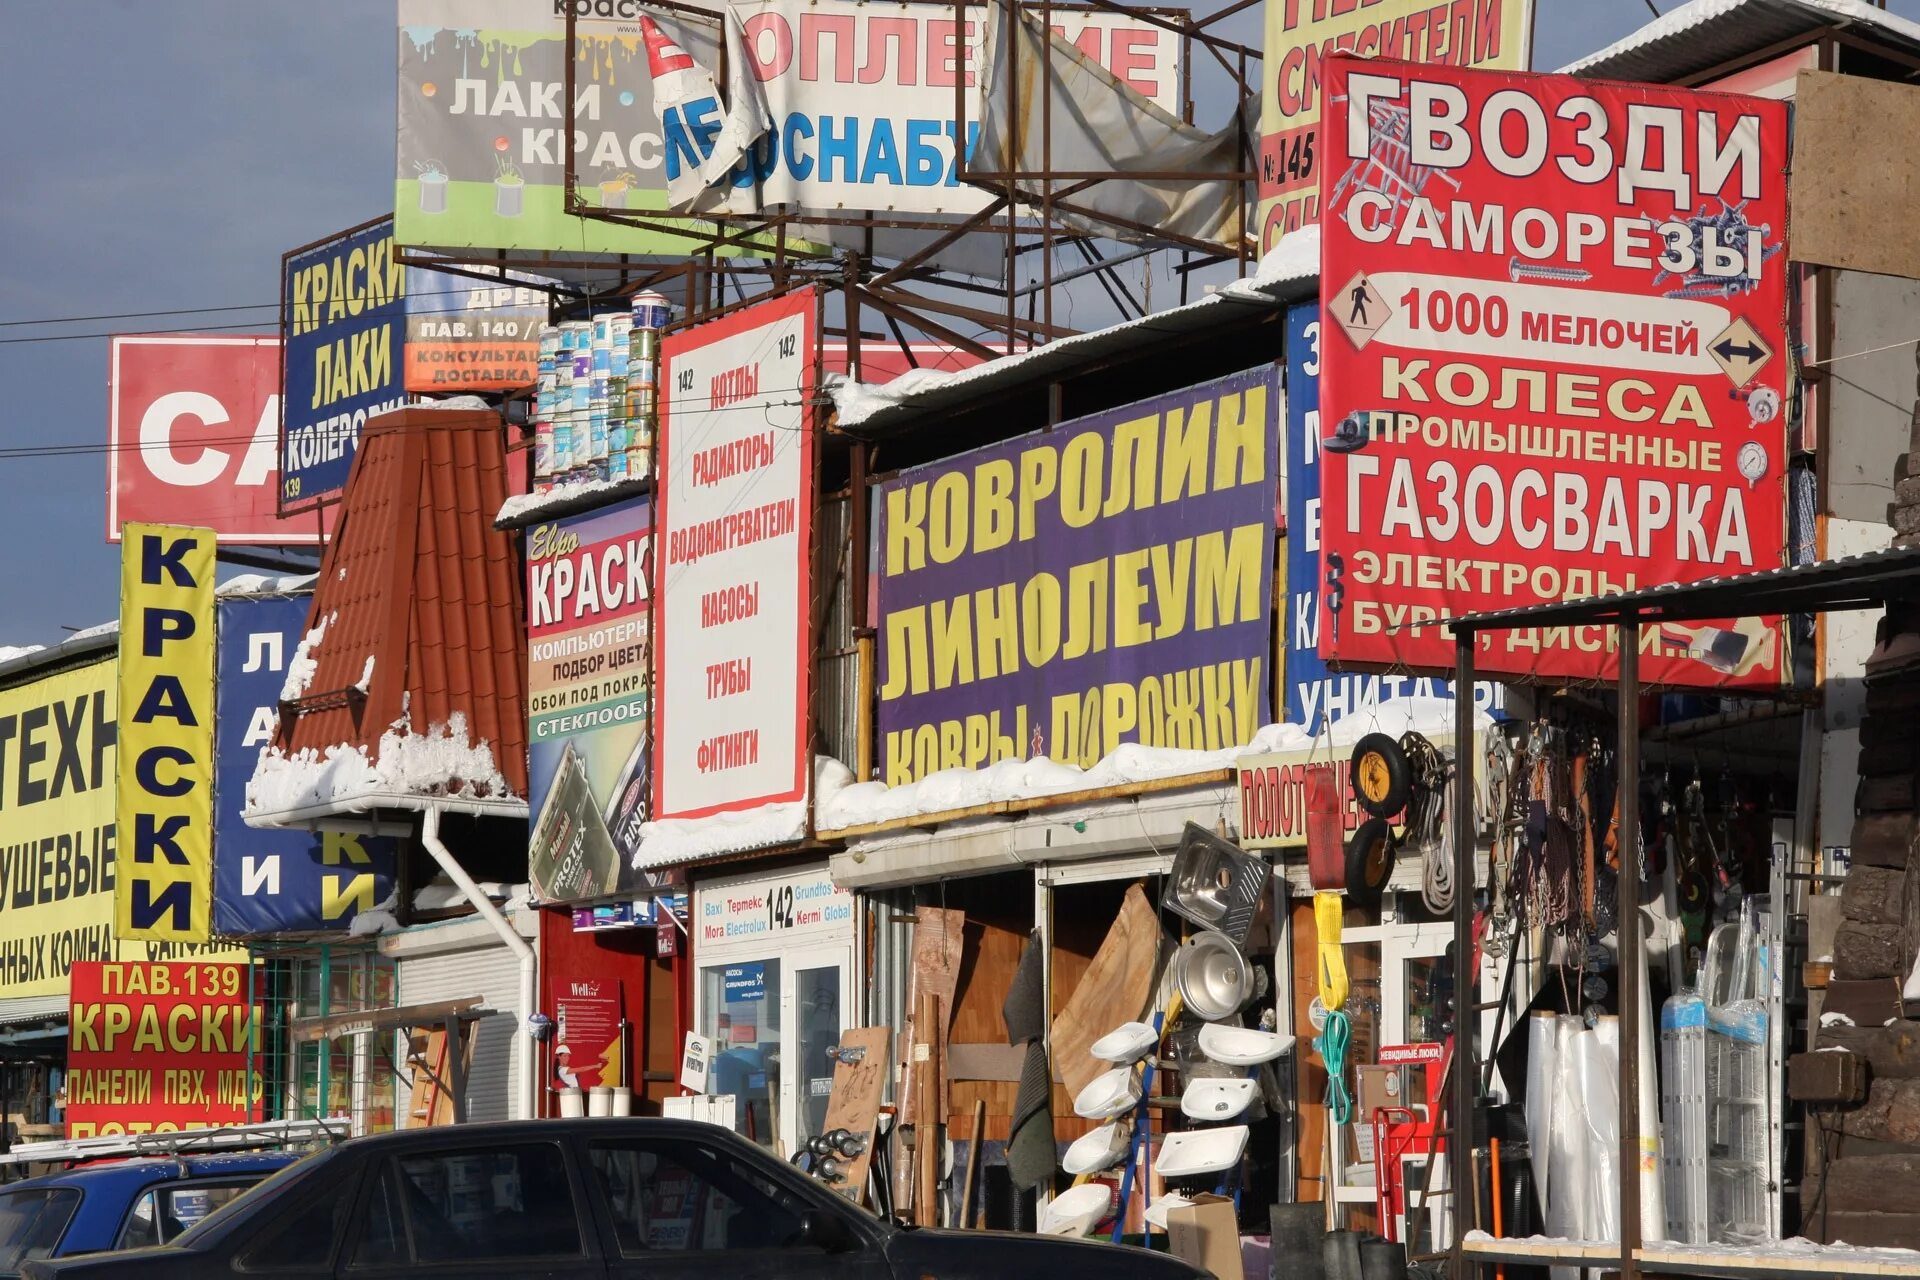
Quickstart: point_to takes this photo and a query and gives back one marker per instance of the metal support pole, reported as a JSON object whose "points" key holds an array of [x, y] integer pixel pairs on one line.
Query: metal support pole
{"points": [[1628, 917], [1460, 1175]]}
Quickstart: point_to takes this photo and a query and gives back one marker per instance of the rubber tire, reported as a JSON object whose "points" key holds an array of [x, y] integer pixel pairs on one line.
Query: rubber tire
{"points": [[1370, 855], [1390, 759]]}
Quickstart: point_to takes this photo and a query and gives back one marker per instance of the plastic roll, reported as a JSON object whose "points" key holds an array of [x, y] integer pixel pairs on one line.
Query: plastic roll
{"points": [[1543, 1059], [1653, 1200], [573, 1102]]}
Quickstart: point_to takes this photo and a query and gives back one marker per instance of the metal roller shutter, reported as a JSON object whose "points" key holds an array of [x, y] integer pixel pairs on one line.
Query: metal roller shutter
{"points": [[493, 974]]}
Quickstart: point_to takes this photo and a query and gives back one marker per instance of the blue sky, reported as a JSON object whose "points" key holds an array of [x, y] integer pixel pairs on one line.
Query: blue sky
{"points": [[164, 155]]}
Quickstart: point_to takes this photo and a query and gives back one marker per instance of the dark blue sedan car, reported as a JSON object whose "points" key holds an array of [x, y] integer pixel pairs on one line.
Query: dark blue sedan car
{"points": [[122, 1205]]}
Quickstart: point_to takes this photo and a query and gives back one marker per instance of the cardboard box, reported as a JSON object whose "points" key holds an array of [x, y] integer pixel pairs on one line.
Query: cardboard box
{"points": [[1206, 1235]]}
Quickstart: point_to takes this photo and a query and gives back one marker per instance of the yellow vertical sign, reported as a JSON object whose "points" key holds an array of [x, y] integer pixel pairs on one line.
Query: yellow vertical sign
{"points": [[164, 811], [1302, 34]]}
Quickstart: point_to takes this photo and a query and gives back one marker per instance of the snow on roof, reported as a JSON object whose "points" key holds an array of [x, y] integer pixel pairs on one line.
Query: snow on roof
{"points": [[103, 629], [412, 768], [563, 499], [844, 803], [678, 840], [9, 652], [266, 584], [1702, 33], [1296, 259], [303, 664]]}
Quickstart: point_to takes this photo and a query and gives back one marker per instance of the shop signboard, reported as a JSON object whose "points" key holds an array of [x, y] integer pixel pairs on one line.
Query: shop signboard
{"points": [[589, 629], [1273, 796], [267, 881], [588, 1044], [781, 909], [1108, 581], [1303, 35], [164, 871], [160, 1048], [743, 983], [467, 336], [193, 427], [343, 330], [1312, 696], [1554, 360], [735, 578], [481, 160], [837, 105]]}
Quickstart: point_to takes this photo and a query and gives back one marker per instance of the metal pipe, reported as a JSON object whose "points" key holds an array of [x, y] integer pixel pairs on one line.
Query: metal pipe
{"points": [[523, 1102], [1465, 985], [1627, 917]]}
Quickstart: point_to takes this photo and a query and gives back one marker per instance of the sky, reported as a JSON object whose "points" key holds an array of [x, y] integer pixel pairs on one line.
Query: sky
{"points": [[165, 155]]}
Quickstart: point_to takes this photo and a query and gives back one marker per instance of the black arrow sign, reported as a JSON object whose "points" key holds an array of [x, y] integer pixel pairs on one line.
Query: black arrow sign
{"points": [[1727, 351]]}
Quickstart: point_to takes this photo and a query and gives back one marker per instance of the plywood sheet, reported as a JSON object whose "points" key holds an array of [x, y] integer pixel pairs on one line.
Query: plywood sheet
{"points": [[939, 937], [855, 1101], [1114, 989], [1854, 174]]}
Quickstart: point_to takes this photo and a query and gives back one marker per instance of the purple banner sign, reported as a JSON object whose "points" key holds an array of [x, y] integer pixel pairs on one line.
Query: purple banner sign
{"points": [[1104, 582]]}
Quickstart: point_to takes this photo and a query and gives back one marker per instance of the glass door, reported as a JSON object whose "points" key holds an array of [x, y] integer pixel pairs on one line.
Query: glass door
{"points": [[772, 1022]]}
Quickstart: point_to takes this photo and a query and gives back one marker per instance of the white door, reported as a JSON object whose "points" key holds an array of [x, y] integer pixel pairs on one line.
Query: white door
{"points": [[772, 1019]]}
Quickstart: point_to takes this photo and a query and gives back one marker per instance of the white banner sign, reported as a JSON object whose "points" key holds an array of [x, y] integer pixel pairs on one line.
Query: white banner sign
{"points": [[731, 569], [770, 910], [850, 105]]}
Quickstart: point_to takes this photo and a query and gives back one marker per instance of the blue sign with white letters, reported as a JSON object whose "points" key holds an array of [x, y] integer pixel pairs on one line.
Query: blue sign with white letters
{"points": [[275, 881], [743, 983]]}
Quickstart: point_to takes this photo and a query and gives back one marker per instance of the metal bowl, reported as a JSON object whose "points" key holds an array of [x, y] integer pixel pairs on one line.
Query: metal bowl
{"points": [[1213, 978]]}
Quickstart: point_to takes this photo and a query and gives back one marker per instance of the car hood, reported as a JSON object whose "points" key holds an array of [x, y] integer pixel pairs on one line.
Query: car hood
{"points": [[1008, 1255]]}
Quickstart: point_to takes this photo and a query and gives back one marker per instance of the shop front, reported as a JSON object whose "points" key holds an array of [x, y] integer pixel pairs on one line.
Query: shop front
{"points": [[773, 955]]}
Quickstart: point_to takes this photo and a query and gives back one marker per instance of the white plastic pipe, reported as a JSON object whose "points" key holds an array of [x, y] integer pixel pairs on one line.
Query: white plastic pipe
{"points": [[523, 1102]]}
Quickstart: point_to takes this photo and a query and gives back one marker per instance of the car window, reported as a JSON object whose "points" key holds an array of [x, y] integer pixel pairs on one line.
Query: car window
{"points": [[164, 1213], [32, 1222], [685, 1196], [300, 1240], [468, 1205]]}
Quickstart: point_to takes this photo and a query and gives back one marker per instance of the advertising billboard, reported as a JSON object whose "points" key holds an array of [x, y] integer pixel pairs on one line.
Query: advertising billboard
{"points": [[1302, 35], [467, 336], [1312, 695], [343, 327], [1108, 581], [589, 648], [160, 1048], [1553, 332], [193, 429], [165, 775], [734, 578], [841, 105], [589, 1034], [275, 881]]}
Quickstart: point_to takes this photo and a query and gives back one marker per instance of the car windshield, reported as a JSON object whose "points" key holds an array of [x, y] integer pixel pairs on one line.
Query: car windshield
{"points": [[32, 1220], [259, 1192]]}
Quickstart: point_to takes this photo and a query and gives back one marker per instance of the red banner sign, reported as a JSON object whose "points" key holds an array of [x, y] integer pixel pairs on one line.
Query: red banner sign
{"points": [[1553, 324], [194, 437], [587, 1048], [156, 1048]]}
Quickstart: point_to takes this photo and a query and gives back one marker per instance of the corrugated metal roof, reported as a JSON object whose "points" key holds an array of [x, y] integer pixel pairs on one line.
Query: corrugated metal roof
{"points": [[1705, 33], [1851, 582], [418, 580]]}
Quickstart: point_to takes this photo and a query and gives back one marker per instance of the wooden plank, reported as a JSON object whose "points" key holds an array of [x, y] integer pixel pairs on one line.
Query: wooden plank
{"points": [[1854, 172], [1887, 1184], [1114, 989], [938, 942], [1538, 1249], [1705, 1260], [854, 1104]]}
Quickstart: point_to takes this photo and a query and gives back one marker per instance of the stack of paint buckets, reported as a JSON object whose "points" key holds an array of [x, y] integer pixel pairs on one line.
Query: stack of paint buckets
{"points": [[597, 402]]}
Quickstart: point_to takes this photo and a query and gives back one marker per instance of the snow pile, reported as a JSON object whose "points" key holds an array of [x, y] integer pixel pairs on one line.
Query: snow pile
{"points": [[302, 665], [1834, 1019], [1680, 21], [9, 652], [844, 803], [266, 584], [1296, 257], [375, 921], [691, 839], [104, 629], [442, 762], [442, 894], [461, 403], [523, 507], [365, 681]]}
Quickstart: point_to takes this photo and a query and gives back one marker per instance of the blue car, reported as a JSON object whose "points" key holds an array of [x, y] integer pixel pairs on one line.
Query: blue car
{"points": [[122, 1205]]}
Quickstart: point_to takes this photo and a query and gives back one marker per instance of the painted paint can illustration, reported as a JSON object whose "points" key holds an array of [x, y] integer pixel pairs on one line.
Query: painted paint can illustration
{"points": [[433, 193]]}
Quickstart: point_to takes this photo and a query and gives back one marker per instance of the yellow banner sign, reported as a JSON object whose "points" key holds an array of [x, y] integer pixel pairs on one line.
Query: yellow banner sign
{"points": [[1303, 33], [165, 809]]}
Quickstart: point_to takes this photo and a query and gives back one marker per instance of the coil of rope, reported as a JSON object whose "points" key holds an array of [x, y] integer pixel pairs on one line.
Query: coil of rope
{"points": [[1428, 828], [1331, 1044]]}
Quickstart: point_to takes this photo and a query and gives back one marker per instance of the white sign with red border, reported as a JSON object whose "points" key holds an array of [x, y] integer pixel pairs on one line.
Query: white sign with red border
{"points": [[731, 564]]}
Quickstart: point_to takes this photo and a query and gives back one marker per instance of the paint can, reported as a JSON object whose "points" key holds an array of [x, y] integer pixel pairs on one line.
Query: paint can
{"points": [[650, 311]]}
